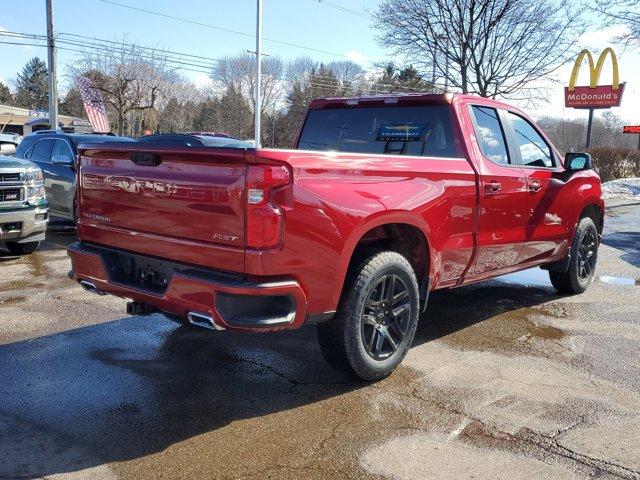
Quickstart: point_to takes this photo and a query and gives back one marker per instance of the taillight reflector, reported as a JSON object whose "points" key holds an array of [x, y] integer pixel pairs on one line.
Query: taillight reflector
{"points": [[264, 218]]}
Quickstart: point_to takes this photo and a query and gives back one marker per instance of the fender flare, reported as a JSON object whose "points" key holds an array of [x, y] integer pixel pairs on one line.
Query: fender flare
{"points": [[372, 221]]}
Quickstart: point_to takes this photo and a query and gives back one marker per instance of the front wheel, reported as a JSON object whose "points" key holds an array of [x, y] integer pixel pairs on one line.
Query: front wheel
{"points": [[376, 320], [582, 266]]}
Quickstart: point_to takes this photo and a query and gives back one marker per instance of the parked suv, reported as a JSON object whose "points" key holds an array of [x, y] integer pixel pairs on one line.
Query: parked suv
{"points": [[54, 152], [23, 208]]}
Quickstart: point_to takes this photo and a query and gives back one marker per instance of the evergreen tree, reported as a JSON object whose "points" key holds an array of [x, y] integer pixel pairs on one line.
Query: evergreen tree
{"points": [[72, 104], [5, 95], [406, 80], [31, 85]]}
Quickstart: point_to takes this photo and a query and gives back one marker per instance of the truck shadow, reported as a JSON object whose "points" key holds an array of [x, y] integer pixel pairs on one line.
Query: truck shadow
{"points": [[132, 387], [493, 308]]}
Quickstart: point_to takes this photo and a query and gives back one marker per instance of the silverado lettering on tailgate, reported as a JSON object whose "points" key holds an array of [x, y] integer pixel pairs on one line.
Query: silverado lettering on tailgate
{"points": [[151, 188]]}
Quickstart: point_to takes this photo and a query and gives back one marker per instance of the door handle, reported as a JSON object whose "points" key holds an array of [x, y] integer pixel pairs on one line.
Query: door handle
{"points": [[493, 186], [534, 185]]}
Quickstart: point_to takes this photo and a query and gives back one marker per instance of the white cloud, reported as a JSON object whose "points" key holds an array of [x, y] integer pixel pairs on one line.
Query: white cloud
{"points": [[357, 56], [602, 37], [202, 80]]}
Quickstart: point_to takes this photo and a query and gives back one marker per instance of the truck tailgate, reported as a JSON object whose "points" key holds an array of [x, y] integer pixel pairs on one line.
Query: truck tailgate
{"points": [[179, 203]]}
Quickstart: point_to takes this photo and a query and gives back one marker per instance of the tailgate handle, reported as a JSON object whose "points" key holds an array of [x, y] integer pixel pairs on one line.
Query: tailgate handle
{"points": [[146, 159]]}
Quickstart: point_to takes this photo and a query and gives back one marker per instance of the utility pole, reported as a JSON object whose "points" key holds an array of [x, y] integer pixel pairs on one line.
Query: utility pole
{"points": [[53, 81], [256, 114], [589, 128]]}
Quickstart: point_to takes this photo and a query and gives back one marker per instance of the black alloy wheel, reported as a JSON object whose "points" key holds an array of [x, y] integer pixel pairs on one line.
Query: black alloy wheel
{"points": [[386, 316]]}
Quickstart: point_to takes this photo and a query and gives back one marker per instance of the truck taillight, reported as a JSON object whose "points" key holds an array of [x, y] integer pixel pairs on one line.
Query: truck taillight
{"points": [[264, 217]]}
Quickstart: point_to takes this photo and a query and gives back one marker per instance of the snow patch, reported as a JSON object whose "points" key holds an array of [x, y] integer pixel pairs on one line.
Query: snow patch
{"points": [[622, 188]]}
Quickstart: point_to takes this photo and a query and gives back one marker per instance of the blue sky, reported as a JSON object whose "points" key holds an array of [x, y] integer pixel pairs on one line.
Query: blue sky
{"points": [[308, 23], [304, 22]]}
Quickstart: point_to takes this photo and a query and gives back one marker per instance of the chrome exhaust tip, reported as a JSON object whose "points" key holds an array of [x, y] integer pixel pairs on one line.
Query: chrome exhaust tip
{"points": [[203, 320], [90, 287]]}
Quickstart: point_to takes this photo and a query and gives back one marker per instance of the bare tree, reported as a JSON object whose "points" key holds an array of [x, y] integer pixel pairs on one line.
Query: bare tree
{"points": [[625, 13], [347, 72], [299, 68], [239, 73], [131, 79], [177, 109], [487, 47]]}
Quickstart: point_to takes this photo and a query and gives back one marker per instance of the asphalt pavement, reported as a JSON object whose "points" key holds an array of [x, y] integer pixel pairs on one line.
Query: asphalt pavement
{"points": [[506, 380]]}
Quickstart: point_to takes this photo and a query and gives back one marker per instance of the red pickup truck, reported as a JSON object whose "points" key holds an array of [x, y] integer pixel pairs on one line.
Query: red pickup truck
{"points": [[383, 200]]}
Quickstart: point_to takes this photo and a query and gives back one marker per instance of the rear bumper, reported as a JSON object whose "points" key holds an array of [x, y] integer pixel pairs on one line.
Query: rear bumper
{"points": [[233, 302]]}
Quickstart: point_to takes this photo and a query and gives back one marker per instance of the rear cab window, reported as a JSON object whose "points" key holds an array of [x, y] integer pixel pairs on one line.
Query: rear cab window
{"points": [[392, 130], [490, 134]]}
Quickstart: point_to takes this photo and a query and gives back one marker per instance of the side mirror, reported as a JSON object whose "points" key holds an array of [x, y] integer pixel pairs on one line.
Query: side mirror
{"points": [[574, 162], [61, 160]]}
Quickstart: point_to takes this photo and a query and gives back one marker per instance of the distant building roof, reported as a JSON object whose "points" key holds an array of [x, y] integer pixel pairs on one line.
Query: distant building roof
{"points": [[23, 116], [21, 120]]}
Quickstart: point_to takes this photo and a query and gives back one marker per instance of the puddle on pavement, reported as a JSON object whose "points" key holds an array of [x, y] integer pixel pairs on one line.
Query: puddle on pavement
{"points": [[12, 301], [516, 331], [37, 275], [611, 280], [529, 277], [502, 317]]}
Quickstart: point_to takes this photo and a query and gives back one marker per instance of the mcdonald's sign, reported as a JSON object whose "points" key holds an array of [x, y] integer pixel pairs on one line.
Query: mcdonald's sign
{"points": [[594, 95]]}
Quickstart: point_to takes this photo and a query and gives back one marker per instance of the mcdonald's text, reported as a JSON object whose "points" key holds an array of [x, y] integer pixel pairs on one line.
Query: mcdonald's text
{"points": [[602, 96]]}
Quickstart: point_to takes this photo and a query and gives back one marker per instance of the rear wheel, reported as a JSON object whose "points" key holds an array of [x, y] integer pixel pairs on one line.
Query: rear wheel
{"points": [[22, 248], [376, 321], [582, 266]]}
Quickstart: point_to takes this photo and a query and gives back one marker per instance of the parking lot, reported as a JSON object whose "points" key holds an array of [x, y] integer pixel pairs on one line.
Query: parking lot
{"points": [[506, 379]]}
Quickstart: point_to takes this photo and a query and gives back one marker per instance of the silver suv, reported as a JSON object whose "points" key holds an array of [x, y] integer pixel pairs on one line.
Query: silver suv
{"points": [[24, 211]]}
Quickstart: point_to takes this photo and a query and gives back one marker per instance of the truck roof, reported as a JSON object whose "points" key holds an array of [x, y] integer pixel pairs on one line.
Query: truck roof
{"points": [[408, 99]]}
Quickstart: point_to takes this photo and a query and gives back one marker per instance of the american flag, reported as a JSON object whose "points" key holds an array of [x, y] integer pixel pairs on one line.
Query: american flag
{"points": [[93, 105]]}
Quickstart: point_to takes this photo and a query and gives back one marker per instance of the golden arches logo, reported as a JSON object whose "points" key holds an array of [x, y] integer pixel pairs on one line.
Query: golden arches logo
{"points": [[595, 70]]}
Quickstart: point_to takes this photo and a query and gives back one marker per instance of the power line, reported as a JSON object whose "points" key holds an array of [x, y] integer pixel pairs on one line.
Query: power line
{"points": [[343, 9], [215, 27], [177, 62], [75, 35], [204, 68]]}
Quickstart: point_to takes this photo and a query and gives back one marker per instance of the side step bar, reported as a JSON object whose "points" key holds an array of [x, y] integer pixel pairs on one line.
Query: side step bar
{"points": [[203, 320]]}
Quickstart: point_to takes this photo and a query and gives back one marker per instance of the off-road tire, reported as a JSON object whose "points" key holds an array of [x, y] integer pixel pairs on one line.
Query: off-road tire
{"points": [[341, 340], [22, 248], [576, 279]]}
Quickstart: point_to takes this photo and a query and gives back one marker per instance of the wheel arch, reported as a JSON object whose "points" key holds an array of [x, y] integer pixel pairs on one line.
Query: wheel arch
{"points": [[594, 211], [406, 235]]}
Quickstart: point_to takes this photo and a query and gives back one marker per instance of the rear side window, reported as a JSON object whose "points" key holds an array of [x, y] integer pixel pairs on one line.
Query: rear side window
{"points": [[420, 131], [490, 134], [534, 151], [62, 149], [40, 151], [23, 147]]}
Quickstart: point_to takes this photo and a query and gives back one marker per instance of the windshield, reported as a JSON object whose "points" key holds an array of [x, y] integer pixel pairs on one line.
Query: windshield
{"points": [[421, 131]]}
